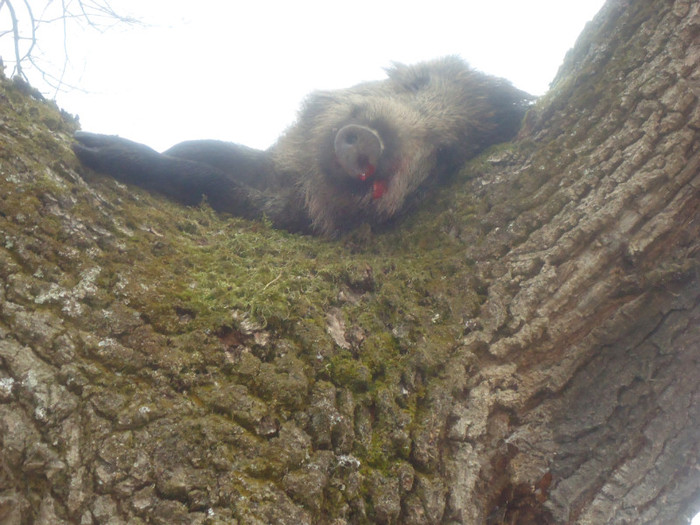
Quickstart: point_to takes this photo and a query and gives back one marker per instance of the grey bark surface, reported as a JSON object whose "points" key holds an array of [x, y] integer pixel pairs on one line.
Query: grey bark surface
{"points": [[523, 349]]}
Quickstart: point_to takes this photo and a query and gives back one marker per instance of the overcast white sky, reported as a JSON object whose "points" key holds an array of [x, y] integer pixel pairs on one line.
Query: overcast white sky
{"points": [[238, 70]]}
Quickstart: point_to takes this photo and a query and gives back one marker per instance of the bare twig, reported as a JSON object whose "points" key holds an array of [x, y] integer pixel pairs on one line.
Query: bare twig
{"points": [[16, 35], [95, 14], [33, 29]]}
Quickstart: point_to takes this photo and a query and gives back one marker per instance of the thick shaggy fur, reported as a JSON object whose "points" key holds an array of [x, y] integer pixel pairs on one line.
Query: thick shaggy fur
{"points": [[355, 155]]}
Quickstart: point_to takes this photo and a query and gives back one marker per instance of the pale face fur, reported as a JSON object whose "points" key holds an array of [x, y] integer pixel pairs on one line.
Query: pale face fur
{"points": [[430, 117]]}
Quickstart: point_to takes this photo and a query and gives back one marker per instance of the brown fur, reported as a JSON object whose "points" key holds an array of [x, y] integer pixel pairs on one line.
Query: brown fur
{"points": [[420, 122]]}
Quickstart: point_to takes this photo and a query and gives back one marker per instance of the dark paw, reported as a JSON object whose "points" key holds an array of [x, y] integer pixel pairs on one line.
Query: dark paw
{"points": [[113, 155], [95, 140], [88, 156]]}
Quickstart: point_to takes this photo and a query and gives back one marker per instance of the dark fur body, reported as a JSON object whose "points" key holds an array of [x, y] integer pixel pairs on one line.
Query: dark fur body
{"points": [[355, 155]]}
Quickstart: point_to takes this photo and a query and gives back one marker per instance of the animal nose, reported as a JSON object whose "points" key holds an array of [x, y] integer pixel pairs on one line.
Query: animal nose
{"points": [[357, 149]]}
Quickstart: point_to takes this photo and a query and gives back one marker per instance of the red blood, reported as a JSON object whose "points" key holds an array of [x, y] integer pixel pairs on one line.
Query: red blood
{"points": [[367, 173], [378, 188]]}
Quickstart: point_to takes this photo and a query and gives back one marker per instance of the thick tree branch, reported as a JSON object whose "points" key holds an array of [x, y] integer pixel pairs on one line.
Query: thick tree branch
{"points": [[522, 349]]}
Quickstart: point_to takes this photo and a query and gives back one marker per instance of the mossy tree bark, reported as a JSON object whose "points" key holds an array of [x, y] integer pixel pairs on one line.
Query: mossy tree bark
{"points": [[523, 349]]}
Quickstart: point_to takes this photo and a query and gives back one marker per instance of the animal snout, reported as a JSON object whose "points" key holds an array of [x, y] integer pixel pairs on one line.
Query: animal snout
{"points": [[358, 149]]}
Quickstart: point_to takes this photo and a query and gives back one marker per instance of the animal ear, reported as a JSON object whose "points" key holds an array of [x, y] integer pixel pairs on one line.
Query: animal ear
{"points": [[409, 78], [317, 103], [418, 76]]}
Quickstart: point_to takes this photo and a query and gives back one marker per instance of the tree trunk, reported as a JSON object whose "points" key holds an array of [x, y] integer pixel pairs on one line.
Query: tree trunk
{"points": [[522, 349]]}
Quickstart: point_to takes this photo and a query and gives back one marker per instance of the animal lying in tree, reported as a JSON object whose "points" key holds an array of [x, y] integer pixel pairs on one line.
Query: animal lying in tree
{"points": [[355, 155]]}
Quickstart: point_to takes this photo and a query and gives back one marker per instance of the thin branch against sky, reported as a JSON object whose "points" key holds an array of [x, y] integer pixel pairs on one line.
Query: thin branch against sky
{"points": [[238, 71]]}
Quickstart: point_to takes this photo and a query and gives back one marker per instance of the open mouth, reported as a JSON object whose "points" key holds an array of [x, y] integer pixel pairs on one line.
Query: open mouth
{"points": [[367, 181], [379, 186]]}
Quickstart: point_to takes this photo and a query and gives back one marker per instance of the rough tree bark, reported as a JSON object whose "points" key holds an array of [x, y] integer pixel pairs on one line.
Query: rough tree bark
{"points": [[523, 349]]}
